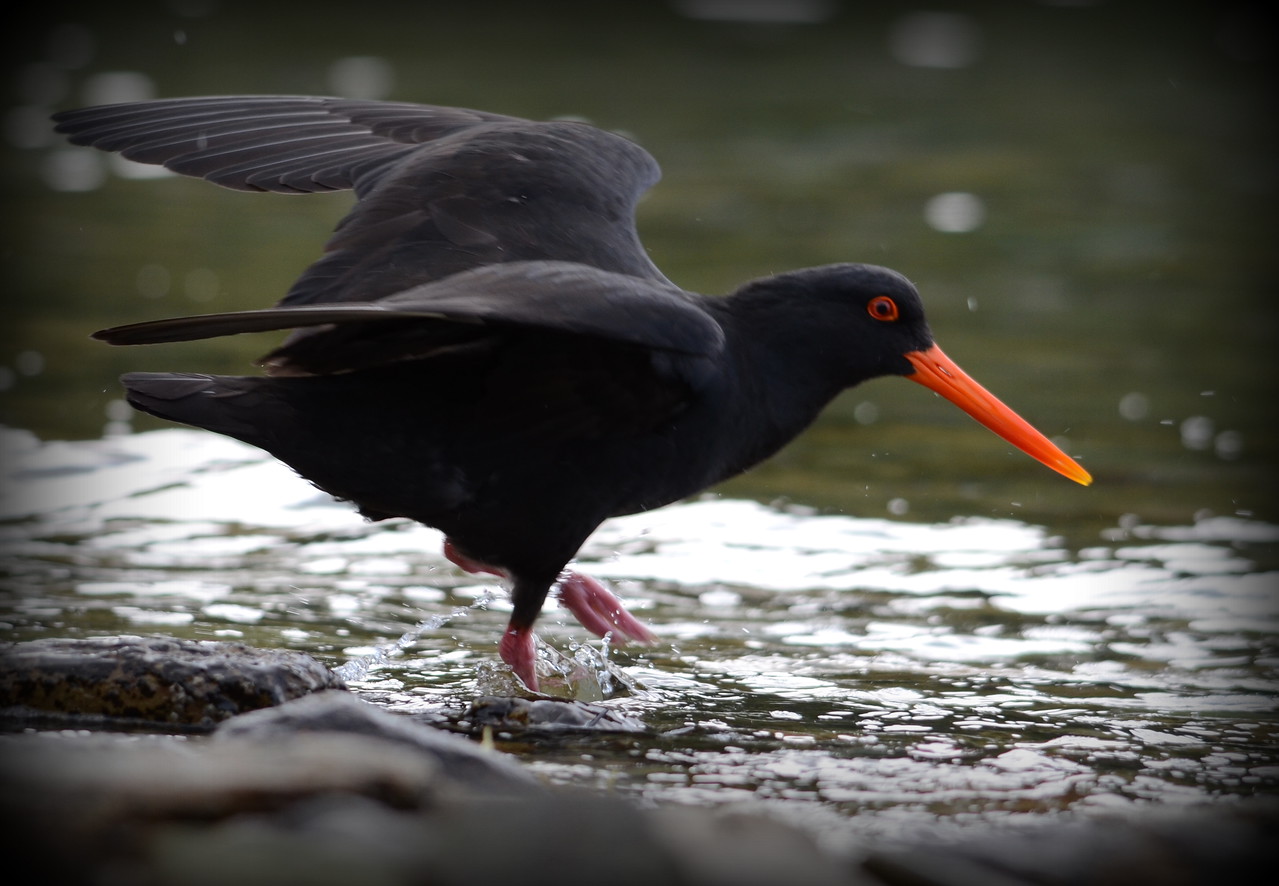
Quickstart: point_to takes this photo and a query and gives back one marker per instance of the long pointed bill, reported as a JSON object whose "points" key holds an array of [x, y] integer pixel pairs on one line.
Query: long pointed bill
{"points": [[937, 372]]}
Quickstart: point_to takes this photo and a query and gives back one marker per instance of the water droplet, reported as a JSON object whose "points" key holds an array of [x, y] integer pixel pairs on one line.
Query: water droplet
{"points": [[362, 76], [866, 413], [935, 40], [1134, 406], [1197, 432], [109, 87], [955, 212], [1228, 444], [73, 170], [118, 410]]}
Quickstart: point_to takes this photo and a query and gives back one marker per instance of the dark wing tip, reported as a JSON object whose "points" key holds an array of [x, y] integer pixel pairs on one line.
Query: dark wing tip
{"points": [[279, 143], [201, 326]]}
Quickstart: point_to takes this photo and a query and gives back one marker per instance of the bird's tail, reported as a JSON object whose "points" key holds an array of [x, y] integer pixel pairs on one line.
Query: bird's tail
{"points": [[218, 403]]}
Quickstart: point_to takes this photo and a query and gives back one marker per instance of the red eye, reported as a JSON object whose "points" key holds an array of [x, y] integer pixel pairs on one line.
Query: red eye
{"points": [[881, 307]]}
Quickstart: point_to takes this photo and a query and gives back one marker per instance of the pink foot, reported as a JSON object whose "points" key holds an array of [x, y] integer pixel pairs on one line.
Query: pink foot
{"points": [[516, 650], [591, 603], [598, 610]]}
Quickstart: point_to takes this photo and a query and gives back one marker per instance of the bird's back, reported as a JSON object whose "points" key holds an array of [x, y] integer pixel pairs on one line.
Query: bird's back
{"points": [[507, 430]]}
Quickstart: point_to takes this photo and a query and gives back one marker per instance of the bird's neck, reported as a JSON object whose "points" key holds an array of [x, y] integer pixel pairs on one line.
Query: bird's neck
{"points": [[786, 367]]}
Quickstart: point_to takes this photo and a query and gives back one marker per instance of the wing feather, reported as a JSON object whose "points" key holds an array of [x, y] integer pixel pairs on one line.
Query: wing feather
{"points": [[441, 190], [548, 296]]}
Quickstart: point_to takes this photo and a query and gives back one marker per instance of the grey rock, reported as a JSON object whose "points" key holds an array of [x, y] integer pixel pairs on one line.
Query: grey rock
{"points": [[272, 804], [737, 848], [517, 715], [180, 685], [99, 780], [567, 839], [320, 787], [1198, 846], [462, 762], [320, 807]]}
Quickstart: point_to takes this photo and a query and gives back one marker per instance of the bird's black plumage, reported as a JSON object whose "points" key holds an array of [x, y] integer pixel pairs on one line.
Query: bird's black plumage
{"points": [[485, 346]]}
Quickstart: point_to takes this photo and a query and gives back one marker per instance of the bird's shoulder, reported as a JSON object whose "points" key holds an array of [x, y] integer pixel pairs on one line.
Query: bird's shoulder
{"points": [[561, 308]]}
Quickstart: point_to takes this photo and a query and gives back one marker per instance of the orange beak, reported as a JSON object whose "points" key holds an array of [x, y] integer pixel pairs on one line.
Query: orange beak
{"points": [[937, 372]]}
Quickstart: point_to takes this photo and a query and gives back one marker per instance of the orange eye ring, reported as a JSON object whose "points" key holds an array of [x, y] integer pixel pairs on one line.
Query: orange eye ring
{"points": [[881, 307]]}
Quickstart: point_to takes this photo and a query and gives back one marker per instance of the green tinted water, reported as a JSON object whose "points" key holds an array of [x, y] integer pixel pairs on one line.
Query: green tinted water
{"points": [[1116, 641]]}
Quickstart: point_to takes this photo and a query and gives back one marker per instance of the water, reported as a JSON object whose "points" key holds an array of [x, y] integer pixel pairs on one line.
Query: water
{"points": [[360, 668], [904, 676], [898, 625]]}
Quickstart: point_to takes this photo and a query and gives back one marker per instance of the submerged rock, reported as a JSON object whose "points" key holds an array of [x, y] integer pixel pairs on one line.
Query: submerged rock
{"points": [[1192, 846], [120, 682], [462, 763], [517, 715], [266, 804], [317, 807], [108, 780], [323, 788]]}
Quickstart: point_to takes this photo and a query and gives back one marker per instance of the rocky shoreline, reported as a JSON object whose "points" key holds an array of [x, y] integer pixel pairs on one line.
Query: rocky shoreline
{"points": [[160, 761]]}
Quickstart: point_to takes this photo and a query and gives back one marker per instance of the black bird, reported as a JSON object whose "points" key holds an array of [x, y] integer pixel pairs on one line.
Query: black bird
{"points": [[485, 346]]}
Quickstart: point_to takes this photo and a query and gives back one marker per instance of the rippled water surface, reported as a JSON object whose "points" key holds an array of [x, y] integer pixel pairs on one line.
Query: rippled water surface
{"points": [[917, 676], [897, 622]]}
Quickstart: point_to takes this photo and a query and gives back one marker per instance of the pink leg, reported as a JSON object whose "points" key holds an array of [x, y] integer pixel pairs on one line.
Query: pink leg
{"points": [[516, 650], [466, 564], [591, 603], [598, 610]]}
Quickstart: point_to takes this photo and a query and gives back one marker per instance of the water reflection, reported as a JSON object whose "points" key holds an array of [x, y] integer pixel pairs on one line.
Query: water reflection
{"points": [[935, 40], [955, 212], [758, 12], [109, 87], [922, 677], [71, 170], [918, 673], [362, 76]]}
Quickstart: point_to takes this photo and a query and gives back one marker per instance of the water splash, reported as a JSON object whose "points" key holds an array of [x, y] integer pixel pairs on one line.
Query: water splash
{"points": [[835, 666], [357, 669], [586, 674]]}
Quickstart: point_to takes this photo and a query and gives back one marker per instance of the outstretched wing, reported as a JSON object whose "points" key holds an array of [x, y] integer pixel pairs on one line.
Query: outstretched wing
{"points": [[463, 309], [441, 190], [285, 144]]}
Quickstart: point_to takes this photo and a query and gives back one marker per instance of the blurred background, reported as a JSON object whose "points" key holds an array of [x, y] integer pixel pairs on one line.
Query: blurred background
{"points": [[925, 628], [1082, 191]]}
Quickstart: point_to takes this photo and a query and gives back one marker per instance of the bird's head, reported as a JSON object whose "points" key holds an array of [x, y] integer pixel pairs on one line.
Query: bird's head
{"points": [[873, 319]]}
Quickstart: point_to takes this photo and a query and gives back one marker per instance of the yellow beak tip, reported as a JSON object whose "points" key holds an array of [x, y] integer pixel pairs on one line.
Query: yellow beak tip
{"points": [[1072, 470]]}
